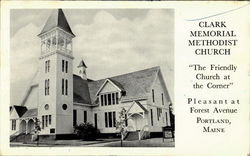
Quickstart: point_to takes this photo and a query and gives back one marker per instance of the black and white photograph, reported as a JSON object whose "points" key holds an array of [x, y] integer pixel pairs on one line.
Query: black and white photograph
{"points": [[92, 77]]}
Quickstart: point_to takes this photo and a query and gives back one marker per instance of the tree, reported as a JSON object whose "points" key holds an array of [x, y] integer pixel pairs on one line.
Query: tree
{"points": [[37, 129], [121, 124]]}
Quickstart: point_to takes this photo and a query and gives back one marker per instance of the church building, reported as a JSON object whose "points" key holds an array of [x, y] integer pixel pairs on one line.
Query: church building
{"points": [[60, 99]]}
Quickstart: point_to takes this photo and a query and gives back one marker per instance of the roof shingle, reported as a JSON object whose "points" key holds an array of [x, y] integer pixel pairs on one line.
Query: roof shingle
{"points": [[57, 19], [136, 84], [30, 113]]}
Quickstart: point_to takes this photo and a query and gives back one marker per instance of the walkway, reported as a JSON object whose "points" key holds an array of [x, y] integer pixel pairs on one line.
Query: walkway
{"points": [[152, 142]]}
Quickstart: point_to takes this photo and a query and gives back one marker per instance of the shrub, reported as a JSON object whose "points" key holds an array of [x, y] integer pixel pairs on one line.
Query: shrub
{"points": [[86, 131]]}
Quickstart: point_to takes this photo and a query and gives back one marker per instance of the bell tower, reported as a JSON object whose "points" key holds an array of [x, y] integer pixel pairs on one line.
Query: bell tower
{"points": [[55, 108]]}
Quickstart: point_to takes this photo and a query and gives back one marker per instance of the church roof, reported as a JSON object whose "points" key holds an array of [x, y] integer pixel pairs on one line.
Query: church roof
{"points": [[30, 113], [57, 19], [136, 84], [81, 90]]}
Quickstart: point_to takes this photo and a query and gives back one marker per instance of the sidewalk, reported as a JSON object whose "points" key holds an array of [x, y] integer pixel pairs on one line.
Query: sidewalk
{"points": [[62, 143], [152, 142]]}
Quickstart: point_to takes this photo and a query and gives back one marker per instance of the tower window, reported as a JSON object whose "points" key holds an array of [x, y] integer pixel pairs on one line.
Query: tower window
{"points": [[46, 120], [66, 66], [62, 86], [47, 66], [49, 119], [85, 116], [66, 87], [62, 65], [46, 87]]}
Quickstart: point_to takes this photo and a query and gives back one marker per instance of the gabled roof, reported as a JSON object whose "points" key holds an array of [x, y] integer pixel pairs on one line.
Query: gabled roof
{"points": [[20, 110], [140, 105], [136, 84], [30, 113], [114, 83], [57, 19], [82, 64]]}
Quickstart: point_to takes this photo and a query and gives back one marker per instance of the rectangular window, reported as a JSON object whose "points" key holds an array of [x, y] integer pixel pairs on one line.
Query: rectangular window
{"points": [[45, 88], [110, 118], [116, 96], [162, 98], [113, 98], [62, 65], [109, 99], [166, 118], [105, 99], [13, 125], [114, 119], [66, 87], [85, 116], [48, 64], [158, 113], [152, 119], [62, 86], [95, 118], [49, 119], [43, 122], [106, 119], [153, 95], [46, 120], [74, 117], [102, 100], [66, 66], [48, 87]]}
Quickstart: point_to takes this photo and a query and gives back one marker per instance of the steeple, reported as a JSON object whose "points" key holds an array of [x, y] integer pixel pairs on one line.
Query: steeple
{"points": [[82, 70], [56, 35], [57, 19]]}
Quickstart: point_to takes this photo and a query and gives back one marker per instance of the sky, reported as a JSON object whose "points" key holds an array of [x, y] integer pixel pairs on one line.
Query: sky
{"points": [[110, 41]]}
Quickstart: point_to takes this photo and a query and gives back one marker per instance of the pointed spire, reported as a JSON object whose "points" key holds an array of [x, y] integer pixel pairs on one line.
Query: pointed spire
{"points": [[82, 64], [57, 19]]}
